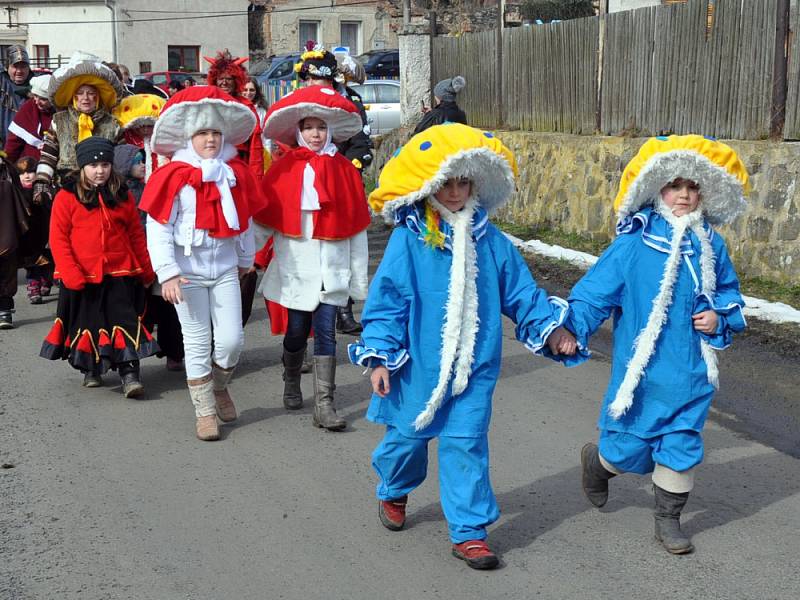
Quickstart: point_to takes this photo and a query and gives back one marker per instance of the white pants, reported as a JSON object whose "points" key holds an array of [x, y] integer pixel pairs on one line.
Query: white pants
{"points": [[211, 309]]}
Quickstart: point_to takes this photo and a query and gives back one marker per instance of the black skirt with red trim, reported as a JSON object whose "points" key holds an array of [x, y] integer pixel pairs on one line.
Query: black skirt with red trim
{"points": [[101, 326]]}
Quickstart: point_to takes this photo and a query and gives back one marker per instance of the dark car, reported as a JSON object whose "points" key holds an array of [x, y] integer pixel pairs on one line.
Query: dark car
{"points": [[162, 79], [381, 63], [280, 69]]}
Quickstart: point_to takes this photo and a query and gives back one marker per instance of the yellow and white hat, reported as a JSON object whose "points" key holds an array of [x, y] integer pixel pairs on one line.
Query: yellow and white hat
{"points": [[421, 167], [714, 166]]}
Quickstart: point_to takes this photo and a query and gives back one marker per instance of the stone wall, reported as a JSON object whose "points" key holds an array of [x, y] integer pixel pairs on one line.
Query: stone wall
{"points": [[569, 182]]}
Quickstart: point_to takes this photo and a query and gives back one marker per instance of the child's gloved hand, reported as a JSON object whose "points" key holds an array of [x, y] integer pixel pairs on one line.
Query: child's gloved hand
{"points": [[705, 322], [380, 381]]}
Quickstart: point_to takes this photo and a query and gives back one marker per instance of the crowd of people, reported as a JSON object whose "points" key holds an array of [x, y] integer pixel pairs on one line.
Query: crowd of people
{"points": [[153, 216]]}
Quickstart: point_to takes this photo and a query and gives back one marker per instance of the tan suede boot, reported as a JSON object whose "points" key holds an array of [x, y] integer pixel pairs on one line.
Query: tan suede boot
{"points": [[202, 393], [225, 408]]}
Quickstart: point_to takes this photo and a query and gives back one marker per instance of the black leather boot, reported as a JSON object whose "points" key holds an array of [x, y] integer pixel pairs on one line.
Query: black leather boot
{"points": [[345, 321], [292, 366], [595, 476], [129, 376], [667, 519]]}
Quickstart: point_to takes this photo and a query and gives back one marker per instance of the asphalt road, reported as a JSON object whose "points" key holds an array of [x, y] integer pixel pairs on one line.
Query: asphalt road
{"points": [[102, 497]]}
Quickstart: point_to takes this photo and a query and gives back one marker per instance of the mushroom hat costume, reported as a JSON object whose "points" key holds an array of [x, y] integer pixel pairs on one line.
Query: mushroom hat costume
{"points": [[325, 180], [444, 353], [69, 125], [133, 112], [226, 193], [660, 270]]}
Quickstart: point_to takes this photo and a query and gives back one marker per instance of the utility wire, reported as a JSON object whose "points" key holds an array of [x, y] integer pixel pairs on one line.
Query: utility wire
{"points": [[184, 18]]}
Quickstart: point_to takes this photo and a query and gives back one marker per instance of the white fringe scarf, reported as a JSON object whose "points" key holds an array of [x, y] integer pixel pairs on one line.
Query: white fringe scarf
{"points": [[645, 343], [460, 326]]}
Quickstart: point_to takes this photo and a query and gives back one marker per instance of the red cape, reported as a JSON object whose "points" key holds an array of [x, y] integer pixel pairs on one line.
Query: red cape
{"points": [[166, 182], [343, 204]]}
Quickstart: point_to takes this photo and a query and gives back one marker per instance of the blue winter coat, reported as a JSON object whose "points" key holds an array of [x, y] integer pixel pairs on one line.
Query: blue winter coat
{"points": [[674, 393], [405, 311]]}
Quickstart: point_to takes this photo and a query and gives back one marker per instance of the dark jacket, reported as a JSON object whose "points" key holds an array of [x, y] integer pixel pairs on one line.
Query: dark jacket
{"points": [[359, 147], [445, 112]]}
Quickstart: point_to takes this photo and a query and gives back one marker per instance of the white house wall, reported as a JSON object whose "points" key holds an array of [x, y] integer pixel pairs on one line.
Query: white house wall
{"points": [[148, 41], [620, 5], [75, 35], [285, 25]]}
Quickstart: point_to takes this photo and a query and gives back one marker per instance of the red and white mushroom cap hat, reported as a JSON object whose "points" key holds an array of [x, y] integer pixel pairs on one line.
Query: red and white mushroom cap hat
{"points": [[321, 102], [197, 108]]}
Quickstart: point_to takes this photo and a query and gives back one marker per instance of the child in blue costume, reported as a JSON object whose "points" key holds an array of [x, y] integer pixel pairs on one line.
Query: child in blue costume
{"points": [[432, 325], [670, 286]]}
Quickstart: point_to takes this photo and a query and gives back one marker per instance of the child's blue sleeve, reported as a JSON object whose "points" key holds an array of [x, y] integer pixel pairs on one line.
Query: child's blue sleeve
{"points": [[727, 302], [535, 314], [384, 340], [598, 293]]}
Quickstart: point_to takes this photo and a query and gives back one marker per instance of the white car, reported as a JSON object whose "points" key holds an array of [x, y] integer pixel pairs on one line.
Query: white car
{"points": [[381, 99]]}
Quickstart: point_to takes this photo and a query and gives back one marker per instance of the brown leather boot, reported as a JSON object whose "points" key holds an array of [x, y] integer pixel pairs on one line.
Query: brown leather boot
{"points": [[324, 377], [224, 404]]}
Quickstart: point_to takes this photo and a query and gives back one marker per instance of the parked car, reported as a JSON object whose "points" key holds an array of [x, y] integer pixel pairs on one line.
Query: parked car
{"points": [[162, 79], [280, 69], [381, 63], [382, 102]]}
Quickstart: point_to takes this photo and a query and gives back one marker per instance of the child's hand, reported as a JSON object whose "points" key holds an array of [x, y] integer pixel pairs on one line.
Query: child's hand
{"points": [[567, 345], [171, 289], [561, 342], [380, 381], [705, 322]]}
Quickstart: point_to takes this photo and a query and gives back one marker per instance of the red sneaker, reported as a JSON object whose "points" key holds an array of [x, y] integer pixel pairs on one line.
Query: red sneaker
{"points": [[476, 554], [392, 513]]}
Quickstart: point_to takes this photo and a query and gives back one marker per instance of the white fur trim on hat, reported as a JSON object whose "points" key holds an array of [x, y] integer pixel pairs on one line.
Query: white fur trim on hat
{"points": [[722, 193], [282, 124], [179, 122], [490, 173]]}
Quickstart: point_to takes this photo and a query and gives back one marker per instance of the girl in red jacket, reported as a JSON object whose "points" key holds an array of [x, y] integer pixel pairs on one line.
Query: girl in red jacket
{"points": [[101, 258]]}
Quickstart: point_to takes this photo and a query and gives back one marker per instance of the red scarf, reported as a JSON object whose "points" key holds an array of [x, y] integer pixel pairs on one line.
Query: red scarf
{"points": [[343, 204], [167, 181]]}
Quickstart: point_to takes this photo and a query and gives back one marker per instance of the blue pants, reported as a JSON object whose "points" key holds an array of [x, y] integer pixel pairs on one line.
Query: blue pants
{"points": [[465, 491], [677, 450], [299, 326]]}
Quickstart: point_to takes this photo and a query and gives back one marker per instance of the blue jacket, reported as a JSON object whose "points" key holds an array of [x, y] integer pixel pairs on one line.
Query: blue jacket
{"points": [[403, 319], [674, 393]]}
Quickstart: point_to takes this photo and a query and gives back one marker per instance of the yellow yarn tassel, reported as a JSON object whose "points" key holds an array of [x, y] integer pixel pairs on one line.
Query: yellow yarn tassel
{"points": [[433, 235], [85, 123]]}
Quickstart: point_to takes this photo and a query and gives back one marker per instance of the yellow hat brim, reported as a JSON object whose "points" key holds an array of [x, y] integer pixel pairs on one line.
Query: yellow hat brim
{"points": [[430, 158], [713, 165]]}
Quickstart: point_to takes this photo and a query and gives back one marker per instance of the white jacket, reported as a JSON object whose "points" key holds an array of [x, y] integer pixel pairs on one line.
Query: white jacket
{"points": [[306, 271], [177, 248]]}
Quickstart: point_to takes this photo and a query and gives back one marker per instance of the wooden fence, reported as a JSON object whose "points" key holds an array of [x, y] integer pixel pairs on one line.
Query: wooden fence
{"points": [[706, 66]]}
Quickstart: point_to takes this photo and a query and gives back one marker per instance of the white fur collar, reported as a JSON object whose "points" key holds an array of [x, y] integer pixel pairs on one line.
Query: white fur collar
{"points": [[460, 326]]}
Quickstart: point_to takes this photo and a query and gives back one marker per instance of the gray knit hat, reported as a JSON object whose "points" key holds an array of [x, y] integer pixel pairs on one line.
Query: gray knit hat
{"points": [[447, 89]]}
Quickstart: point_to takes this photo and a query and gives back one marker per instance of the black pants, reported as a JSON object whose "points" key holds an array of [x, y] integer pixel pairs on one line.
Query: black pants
{"points": [[8, 280]]}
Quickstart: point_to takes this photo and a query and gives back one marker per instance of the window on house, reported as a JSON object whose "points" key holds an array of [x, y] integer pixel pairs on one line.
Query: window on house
{"points": [[41, 55], [309, 31], [183, 58], [145, 66], [350, 32]]}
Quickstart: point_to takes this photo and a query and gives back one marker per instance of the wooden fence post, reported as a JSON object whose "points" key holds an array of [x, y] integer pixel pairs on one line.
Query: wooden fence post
{"points": [[432, 22], [779, 77], [499, 99]]}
